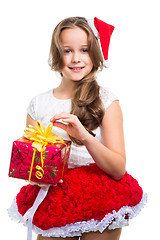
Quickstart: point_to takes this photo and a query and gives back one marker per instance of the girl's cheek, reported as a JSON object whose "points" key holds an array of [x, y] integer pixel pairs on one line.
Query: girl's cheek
{"points": [[66, 59]]}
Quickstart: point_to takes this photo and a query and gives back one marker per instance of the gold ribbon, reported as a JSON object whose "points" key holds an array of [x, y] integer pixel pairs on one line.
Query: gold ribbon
{"points": [[41, 137]]}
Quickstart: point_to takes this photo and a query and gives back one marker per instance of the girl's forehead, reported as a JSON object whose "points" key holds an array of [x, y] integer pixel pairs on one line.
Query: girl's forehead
{"points": [[72, 36]]}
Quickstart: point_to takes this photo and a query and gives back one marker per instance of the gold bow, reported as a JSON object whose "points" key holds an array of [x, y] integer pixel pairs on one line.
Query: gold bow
{"points": [[40, 137]]}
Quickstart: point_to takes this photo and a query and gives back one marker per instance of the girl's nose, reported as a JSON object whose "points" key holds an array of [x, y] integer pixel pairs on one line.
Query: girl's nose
{"points": [[76, 57]]}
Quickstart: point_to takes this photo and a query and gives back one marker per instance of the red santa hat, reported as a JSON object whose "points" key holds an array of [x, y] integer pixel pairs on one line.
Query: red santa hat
{"points": [[103, 31]]}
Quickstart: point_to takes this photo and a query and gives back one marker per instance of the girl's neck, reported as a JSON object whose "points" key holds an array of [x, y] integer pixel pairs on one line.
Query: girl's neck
{"points": [[64, 90]]}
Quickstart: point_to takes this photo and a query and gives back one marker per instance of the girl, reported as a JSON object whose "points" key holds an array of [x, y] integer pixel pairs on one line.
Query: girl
{"points": [[96, 197]]}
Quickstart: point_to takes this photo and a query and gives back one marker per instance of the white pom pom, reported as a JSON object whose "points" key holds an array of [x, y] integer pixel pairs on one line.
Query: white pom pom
{"points": [[106, 63]]}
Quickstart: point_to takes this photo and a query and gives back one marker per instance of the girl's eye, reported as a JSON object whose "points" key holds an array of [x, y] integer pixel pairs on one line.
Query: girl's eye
{"points": [[67, 50], [85, 50]]}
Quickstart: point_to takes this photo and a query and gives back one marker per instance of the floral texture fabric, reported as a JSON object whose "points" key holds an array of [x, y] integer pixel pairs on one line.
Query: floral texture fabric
{"points": [[86, 194]]}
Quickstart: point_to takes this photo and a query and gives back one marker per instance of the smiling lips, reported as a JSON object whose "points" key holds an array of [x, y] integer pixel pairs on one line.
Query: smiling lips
{"points": [[76, 69]]}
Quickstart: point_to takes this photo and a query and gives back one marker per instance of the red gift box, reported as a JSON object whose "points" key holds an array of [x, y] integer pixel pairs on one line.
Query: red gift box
{"points": [[45, 167], [39, 161]]}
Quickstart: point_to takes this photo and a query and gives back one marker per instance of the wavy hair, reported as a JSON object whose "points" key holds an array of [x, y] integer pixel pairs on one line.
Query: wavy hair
{"points": [[86, 102]]}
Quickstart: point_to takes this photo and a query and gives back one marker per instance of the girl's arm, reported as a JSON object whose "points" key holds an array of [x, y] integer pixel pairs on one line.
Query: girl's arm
{"points": [[30, 121], [109, 156]]}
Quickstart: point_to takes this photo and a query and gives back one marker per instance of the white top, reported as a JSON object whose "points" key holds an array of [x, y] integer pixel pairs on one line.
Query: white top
{"points": [[44, 106]]}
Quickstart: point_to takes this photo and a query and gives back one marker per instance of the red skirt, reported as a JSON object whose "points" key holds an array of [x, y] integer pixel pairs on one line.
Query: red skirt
{"points": [[87, 200]]}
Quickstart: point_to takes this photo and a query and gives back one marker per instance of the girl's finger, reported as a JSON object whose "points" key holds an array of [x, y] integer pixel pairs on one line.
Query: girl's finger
{"points": [[61, 125], [66, 118], [59, 116]]}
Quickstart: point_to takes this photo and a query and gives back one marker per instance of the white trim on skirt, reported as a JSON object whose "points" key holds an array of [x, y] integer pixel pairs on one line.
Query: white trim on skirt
{"points": [[111, 221]]}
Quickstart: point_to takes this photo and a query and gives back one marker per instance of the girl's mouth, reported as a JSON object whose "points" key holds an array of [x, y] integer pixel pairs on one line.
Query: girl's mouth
{"points": [[76, 69]]}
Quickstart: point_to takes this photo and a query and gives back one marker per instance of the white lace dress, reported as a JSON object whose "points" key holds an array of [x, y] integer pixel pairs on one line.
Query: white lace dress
{"points": [[44, 106]]}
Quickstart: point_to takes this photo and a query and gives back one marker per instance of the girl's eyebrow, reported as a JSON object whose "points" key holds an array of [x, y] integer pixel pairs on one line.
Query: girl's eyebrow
{"points": [[83, 45]]}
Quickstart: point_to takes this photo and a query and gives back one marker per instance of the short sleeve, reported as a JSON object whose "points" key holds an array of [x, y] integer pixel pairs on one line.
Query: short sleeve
{"points": [[107, 97], [31, 110]]}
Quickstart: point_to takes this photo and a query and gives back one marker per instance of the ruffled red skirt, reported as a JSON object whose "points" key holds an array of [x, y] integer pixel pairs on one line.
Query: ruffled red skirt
{"points": [[87, 197]]}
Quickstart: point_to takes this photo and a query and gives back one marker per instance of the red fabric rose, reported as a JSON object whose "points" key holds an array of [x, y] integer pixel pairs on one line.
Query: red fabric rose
{"points": [[86, 193]]}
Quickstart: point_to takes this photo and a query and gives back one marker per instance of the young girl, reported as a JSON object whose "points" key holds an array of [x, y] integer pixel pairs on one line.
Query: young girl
{"points": [[97, 196]]}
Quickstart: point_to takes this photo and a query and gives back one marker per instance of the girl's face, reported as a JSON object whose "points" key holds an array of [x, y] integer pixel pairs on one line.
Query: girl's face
{"points": [[76, 60]]}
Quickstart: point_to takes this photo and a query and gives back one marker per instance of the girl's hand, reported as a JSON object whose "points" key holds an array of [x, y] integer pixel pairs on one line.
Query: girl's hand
{"points": [[38, 184], [43, 185], [71, 124]]}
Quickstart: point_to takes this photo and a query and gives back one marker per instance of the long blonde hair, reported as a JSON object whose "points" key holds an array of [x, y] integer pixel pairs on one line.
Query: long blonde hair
{"points": [[86, 102]]}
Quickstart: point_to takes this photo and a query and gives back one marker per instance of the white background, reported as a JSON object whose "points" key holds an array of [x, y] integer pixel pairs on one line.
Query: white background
{"points": [[26, 29]]}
